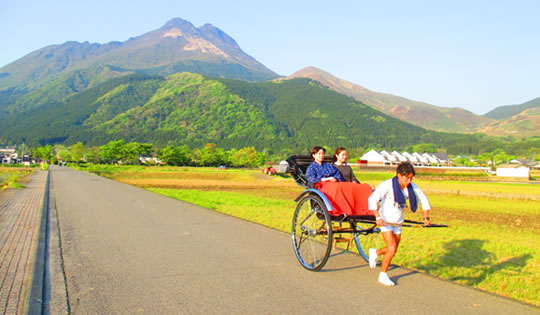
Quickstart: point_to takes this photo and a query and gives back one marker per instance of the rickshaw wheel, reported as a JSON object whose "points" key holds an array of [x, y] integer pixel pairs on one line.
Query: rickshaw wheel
{"points": [[367, 236], [312, 233]]}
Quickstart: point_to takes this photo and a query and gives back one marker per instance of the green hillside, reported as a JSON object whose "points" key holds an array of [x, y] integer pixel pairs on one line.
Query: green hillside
{"points": [[507, 111], [192, 109]]}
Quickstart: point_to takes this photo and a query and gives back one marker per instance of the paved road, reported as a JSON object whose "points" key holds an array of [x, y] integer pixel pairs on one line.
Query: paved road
{"points": [[127, 250]]}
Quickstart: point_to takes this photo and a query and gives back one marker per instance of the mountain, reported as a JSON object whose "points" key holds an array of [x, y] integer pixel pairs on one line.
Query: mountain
{"points": [[187, 108], [507, 111], [524, 124], [417, 113], [275, 116], [175, 47]]}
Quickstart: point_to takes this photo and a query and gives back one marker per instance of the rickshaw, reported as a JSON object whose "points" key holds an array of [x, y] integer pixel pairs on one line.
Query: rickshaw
{"points": [[316, 227]]}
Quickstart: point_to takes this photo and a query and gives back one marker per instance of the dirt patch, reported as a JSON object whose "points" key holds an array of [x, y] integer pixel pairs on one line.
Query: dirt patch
{"points": [[520, 222]]}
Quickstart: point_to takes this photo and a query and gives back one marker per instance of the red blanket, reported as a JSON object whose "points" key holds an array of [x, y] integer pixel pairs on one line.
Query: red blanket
{"points": [[347, 198]]}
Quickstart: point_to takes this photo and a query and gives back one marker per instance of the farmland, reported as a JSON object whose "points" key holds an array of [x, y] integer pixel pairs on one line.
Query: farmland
{"points": [[491, 244]]}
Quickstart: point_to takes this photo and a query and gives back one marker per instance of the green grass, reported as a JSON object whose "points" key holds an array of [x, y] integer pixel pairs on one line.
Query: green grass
{"points": [[10, 177], [276, 214]]}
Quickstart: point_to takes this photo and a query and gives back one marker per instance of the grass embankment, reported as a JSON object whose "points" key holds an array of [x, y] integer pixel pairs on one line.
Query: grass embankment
{"points": [[11, 177], [491, 244]]}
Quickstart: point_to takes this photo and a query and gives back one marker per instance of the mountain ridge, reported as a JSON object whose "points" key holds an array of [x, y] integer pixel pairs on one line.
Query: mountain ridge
{"points": [[176, 44], [507, 111], [187, 108], [432, 117]]}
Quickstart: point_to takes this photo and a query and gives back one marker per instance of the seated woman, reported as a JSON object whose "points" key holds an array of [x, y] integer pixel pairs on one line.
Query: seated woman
{"points": [[346, 197], [340, 162]]}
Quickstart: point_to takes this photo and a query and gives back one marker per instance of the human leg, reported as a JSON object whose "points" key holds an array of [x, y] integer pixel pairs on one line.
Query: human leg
{"points": [[392, 242], [388, 252]]}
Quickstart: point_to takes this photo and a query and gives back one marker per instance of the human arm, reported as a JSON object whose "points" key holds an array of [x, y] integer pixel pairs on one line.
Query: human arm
{"points": [[373, 204], [312, 173], [424, 202], [316, 173], [334, 172]]}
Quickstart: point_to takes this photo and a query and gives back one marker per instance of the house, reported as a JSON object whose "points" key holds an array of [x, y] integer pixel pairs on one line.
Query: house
{"points": [[10, 158], [399, 157], [442, 157], [373, 158], [422, 160], [411, 158], [432, 159], [148, 159], [513, 170], [390, 159]]}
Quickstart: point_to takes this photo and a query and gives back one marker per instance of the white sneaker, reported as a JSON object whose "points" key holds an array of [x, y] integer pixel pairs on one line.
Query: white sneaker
{"points": [[383, 278], [372, 258]]}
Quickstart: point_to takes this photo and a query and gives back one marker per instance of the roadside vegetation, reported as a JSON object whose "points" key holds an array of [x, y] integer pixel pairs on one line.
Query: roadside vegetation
{"points": [[12, 176], [491, 244]]}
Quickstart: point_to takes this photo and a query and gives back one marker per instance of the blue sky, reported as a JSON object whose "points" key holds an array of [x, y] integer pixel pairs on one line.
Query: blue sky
{"points": [[471, 54]]}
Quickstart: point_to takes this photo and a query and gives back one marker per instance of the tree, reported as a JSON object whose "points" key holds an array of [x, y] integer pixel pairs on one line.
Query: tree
{"points": [[500, 158], [211, 156], [484, 158], [114, 151], [77, 152], [247, 157], [45, 152], [92, 155], [424, 148], [64, 155], [133, 150], [175, 155]]}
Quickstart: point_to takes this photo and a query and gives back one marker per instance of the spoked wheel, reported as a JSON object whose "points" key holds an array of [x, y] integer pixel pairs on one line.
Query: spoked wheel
{"points": [[312, 233], [367, 236]]}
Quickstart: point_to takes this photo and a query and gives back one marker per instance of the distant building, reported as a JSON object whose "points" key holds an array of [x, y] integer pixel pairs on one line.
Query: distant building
{"points": [[442, 157], [411, 158], [389, 158], [513, 170], [422, 160], [373, 158], [432, 159], [399, 157]]}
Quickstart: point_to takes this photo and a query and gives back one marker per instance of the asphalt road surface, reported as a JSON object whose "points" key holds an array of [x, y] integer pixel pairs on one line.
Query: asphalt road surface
{"points": [[125, 250]]}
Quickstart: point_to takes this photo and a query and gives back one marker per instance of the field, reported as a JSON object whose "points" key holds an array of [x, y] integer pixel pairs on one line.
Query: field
{"points": [[492, 242]]}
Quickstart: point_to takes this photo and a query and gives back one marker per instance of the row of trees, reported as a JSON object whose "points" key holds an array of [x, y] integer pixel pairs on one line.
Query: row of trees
{"points": [[120, 152]]}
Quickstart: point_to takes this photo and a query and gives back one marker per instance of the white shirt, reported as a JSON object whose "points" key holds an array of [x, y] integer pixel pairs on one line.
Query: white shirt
{"points": [[389, 209]]}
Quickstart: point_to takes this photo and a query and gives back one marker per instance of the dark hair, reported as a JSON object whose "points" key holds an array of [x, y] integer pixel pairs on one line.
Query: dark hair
{"points": [[317, 149], [338, 151], [405, 168]]}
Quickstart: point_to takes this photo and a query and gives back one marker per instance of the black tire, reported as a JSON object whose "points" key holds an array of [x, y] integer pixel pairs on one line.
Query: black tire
{"points": [[366, 236], [312, 233]]}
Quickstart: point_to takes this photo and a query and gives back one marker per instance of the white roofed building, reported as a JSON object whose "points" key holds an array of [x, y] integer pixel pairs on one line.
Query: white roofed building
{"points": [[399, 156], [389, 157], [411, 158], [421, 159], [374, 157], [432, 159]]}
